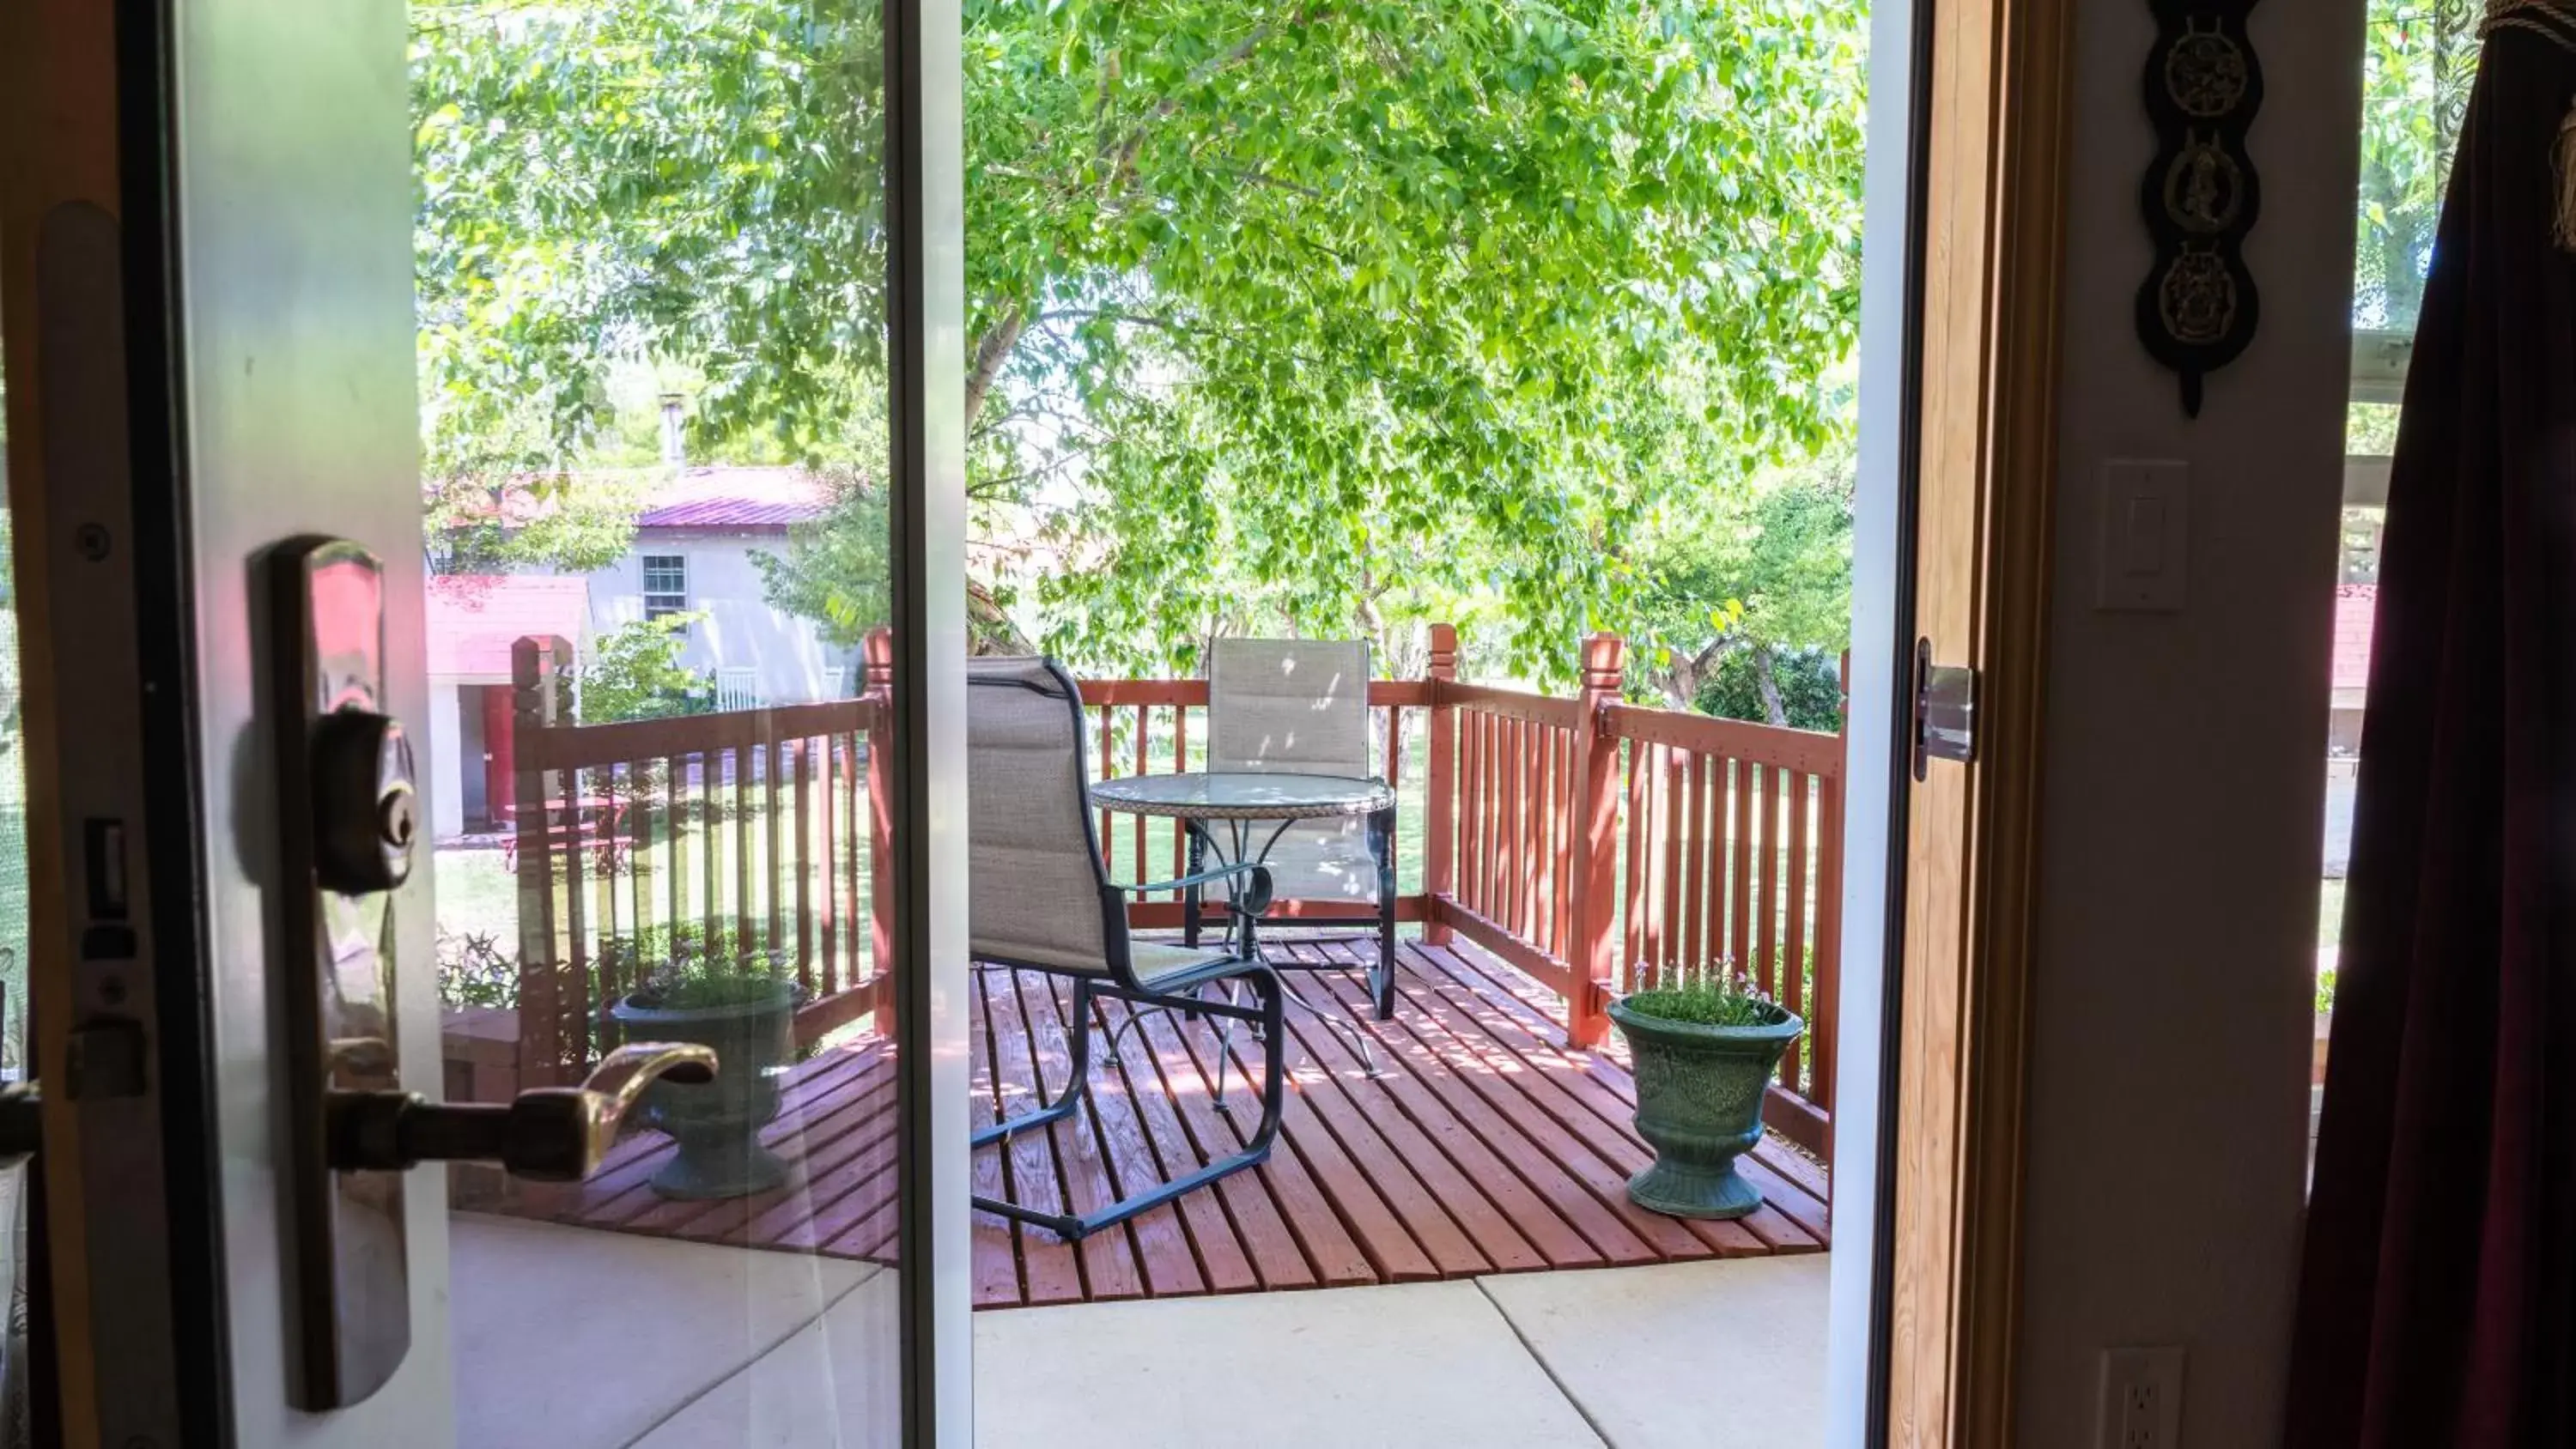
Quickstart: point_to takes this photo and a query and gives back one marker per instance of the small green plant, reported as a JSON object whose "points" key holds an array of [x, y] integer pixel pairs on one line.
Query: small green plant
{"points": [[1712, 994], [473, 970], [647, 953], [2325, 989], [699, 982]]}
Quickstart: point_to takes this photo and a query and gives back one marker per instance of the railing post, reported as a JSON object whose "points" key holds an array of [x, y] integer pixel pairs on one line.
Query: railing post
{"points": [[879, 691], [554, 1005], [1440, 790], [1595, 866]]}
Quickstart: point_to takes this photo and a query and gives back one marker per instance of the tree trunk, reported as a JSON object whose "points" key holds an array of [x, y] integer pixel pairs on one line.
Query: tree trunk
{"points": [[1769, 687], [1679, 684], [988, 629]]}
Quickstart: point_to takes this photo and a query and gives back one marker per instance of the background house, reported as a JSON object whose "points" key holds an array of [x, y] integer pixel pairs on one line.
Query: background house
{"points": [[473, 620], [2354, 606], [693, 554]]}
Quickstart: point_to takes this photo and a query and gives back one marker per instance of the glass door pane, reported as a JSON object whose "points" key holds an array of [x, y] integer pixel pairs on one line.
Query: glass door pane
{"points": [[555, 459], [652, 274]]}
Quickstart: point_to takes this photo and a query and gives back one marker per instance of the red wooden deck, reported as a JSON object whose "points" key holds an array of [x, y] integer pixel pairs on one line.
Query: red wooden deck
{"points": [[1487, 1147]]}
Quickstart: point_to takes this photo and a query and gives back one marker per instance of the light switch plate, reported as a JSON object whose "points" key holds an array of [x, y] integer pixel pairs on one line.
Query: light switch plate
{"points": [[2143, 561]]}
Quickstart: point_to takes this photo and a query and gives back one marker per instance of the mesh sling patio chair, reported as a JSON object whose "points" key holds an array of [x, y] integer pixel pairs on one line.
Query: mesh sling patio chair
{"points": [[1039, 898], [1300, 706]]}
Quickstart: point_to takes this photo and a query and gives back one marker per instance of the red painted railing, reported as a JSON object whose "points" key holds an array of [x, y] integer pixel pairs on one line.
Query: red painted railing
{"points": [[1731, 851], [1590, 840], [1577, 839], [756, 830]]}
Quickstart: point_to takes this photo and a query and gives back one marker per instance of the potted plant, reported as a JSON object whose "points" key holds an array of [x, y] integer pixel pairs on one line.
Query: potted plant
{"points": [[744, 1007], [1705, 1045]]}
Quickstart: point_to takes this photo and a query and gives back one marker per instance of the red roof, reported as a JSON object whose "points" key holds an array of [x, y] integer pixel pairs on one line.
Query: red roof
{"points": [[737, 498], [2355, 604], [475, 618]]}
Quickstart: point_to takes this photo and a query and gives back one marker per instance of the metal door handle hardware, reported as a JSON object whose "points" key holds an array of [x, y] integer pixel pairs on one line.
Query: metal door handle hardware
{"points": [[546, 1134], [366, 812], [21, 1124], [347, 826], [1945, 711]]}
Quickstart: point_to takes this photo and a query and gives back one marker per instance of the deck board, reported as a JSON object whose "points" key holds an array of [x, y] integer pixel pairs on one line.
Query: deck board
{"points": [[1267, 1202], [1488, 1145], [1050, 1271]]}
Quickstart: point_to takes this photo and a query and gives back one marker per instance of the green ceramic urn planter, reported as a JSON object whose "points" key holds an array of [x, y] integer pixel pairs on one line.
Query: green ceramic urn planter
{"points": [[1699, 1105], [717, 1125]]}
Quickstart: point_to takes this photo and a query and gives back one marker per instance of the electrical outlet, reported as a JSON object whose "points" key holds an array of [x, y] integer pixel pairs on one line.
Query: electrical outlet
{"points": [[2141, 1398]]}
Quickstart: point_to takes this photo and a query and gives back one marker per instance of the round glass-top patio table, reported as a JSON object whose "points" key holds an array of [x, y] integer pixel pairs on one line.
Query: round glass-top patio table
{"points": [[1243, 802], [1244, 796]]}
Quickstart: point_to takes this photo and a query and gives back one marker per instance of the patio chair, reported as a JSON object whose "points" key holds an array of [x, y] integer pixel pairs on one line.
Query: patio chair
{"points": [[1300, 706], [1039, 898]]}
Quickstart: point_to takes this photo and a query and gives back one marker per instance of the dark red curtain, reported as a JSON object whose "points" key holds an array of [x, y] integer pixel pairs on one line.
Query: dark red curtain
{"points": [[2438, 1295]]}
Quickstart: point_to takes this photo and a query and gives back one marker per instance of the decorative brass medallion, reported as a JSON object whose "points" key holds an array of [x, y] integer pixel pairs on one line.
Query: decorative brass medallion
{"points": [[2197, 309], [2205, 72]]}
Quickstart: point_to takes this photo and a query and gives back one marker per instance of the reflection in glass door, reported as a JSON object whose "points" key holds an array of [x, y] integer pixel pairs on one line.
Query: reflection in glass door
{"points": [[16, 1406], [13, 789], [656, 493]]}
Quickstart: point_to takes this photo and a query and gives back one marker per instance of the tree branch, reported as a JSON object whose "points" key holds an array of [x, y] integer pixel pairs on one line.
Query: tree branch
{"points": [[991, 351], [1263, 178], [1112, 314]]}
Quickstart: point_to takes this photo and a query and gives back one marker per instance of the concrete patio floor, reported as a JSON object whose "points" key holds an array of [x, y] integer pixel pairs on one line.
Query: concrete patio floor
{"points": [[573, 1339]]}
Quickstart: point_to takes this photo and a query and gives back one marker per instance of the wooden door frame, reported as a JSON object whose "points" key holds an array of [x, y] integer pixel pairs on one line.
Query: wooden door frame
{"points": [[1989, 191], [123, 1262]]}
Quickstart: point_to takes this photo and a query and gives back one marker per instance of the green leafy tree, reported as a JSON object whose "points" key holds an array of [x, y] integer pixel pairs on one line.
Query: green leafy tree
{"points": [[1294, 312], [575, 523], [634, 672], [1742, 579], [1807, 683], [2418, 63], [836, 570]]}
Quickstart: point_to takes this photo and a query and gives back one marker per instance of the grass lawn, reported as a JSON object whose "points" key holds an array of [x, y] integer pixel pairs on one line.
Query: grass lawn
{"points": [[476, 896]]}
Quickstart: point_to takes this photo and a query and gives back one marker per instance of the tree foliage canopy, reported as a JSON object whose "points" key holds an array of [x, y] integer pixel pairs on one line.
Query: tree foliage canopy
{"points": [[2418, 63], [634, 672], [1760, 575], [1314, 314]]}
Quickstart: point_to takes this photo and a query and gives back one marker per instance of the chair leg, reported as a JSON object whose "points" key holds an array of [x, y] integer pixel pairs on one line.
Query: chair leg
{"points": [[1077, 1080], [1267, 1015], [1190, 896], [1134, 1021], [1224, 1048], [1382, 840]]}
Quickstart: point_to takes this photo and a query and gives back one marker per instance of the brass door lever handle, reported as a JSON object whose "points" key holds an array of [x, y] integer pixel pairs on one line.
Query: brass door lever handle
{"points": [[545, 1134], [21, 1120]]}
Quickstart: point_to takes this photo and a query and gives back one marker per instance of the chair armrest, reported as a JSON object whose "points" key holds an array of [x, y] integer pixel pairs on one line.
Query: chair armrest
{"points": [[1256, 895]]}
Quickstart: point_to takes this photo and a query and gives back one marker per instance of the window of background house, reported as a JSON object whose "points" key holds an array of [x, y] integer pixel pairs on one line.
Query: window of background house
{"points": [[666, 584]]}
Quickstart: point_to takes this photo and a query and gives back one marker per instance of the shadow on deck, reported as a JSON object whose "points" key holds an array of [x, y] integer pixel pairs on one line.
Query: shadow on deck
{"points": [[1486, 1147]]}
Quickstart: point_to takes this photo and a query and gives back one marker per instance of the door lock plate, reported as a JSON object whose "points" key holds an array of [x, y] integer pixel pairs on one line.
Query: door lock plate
{"points": [[1945, 711], [348, 819]]}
